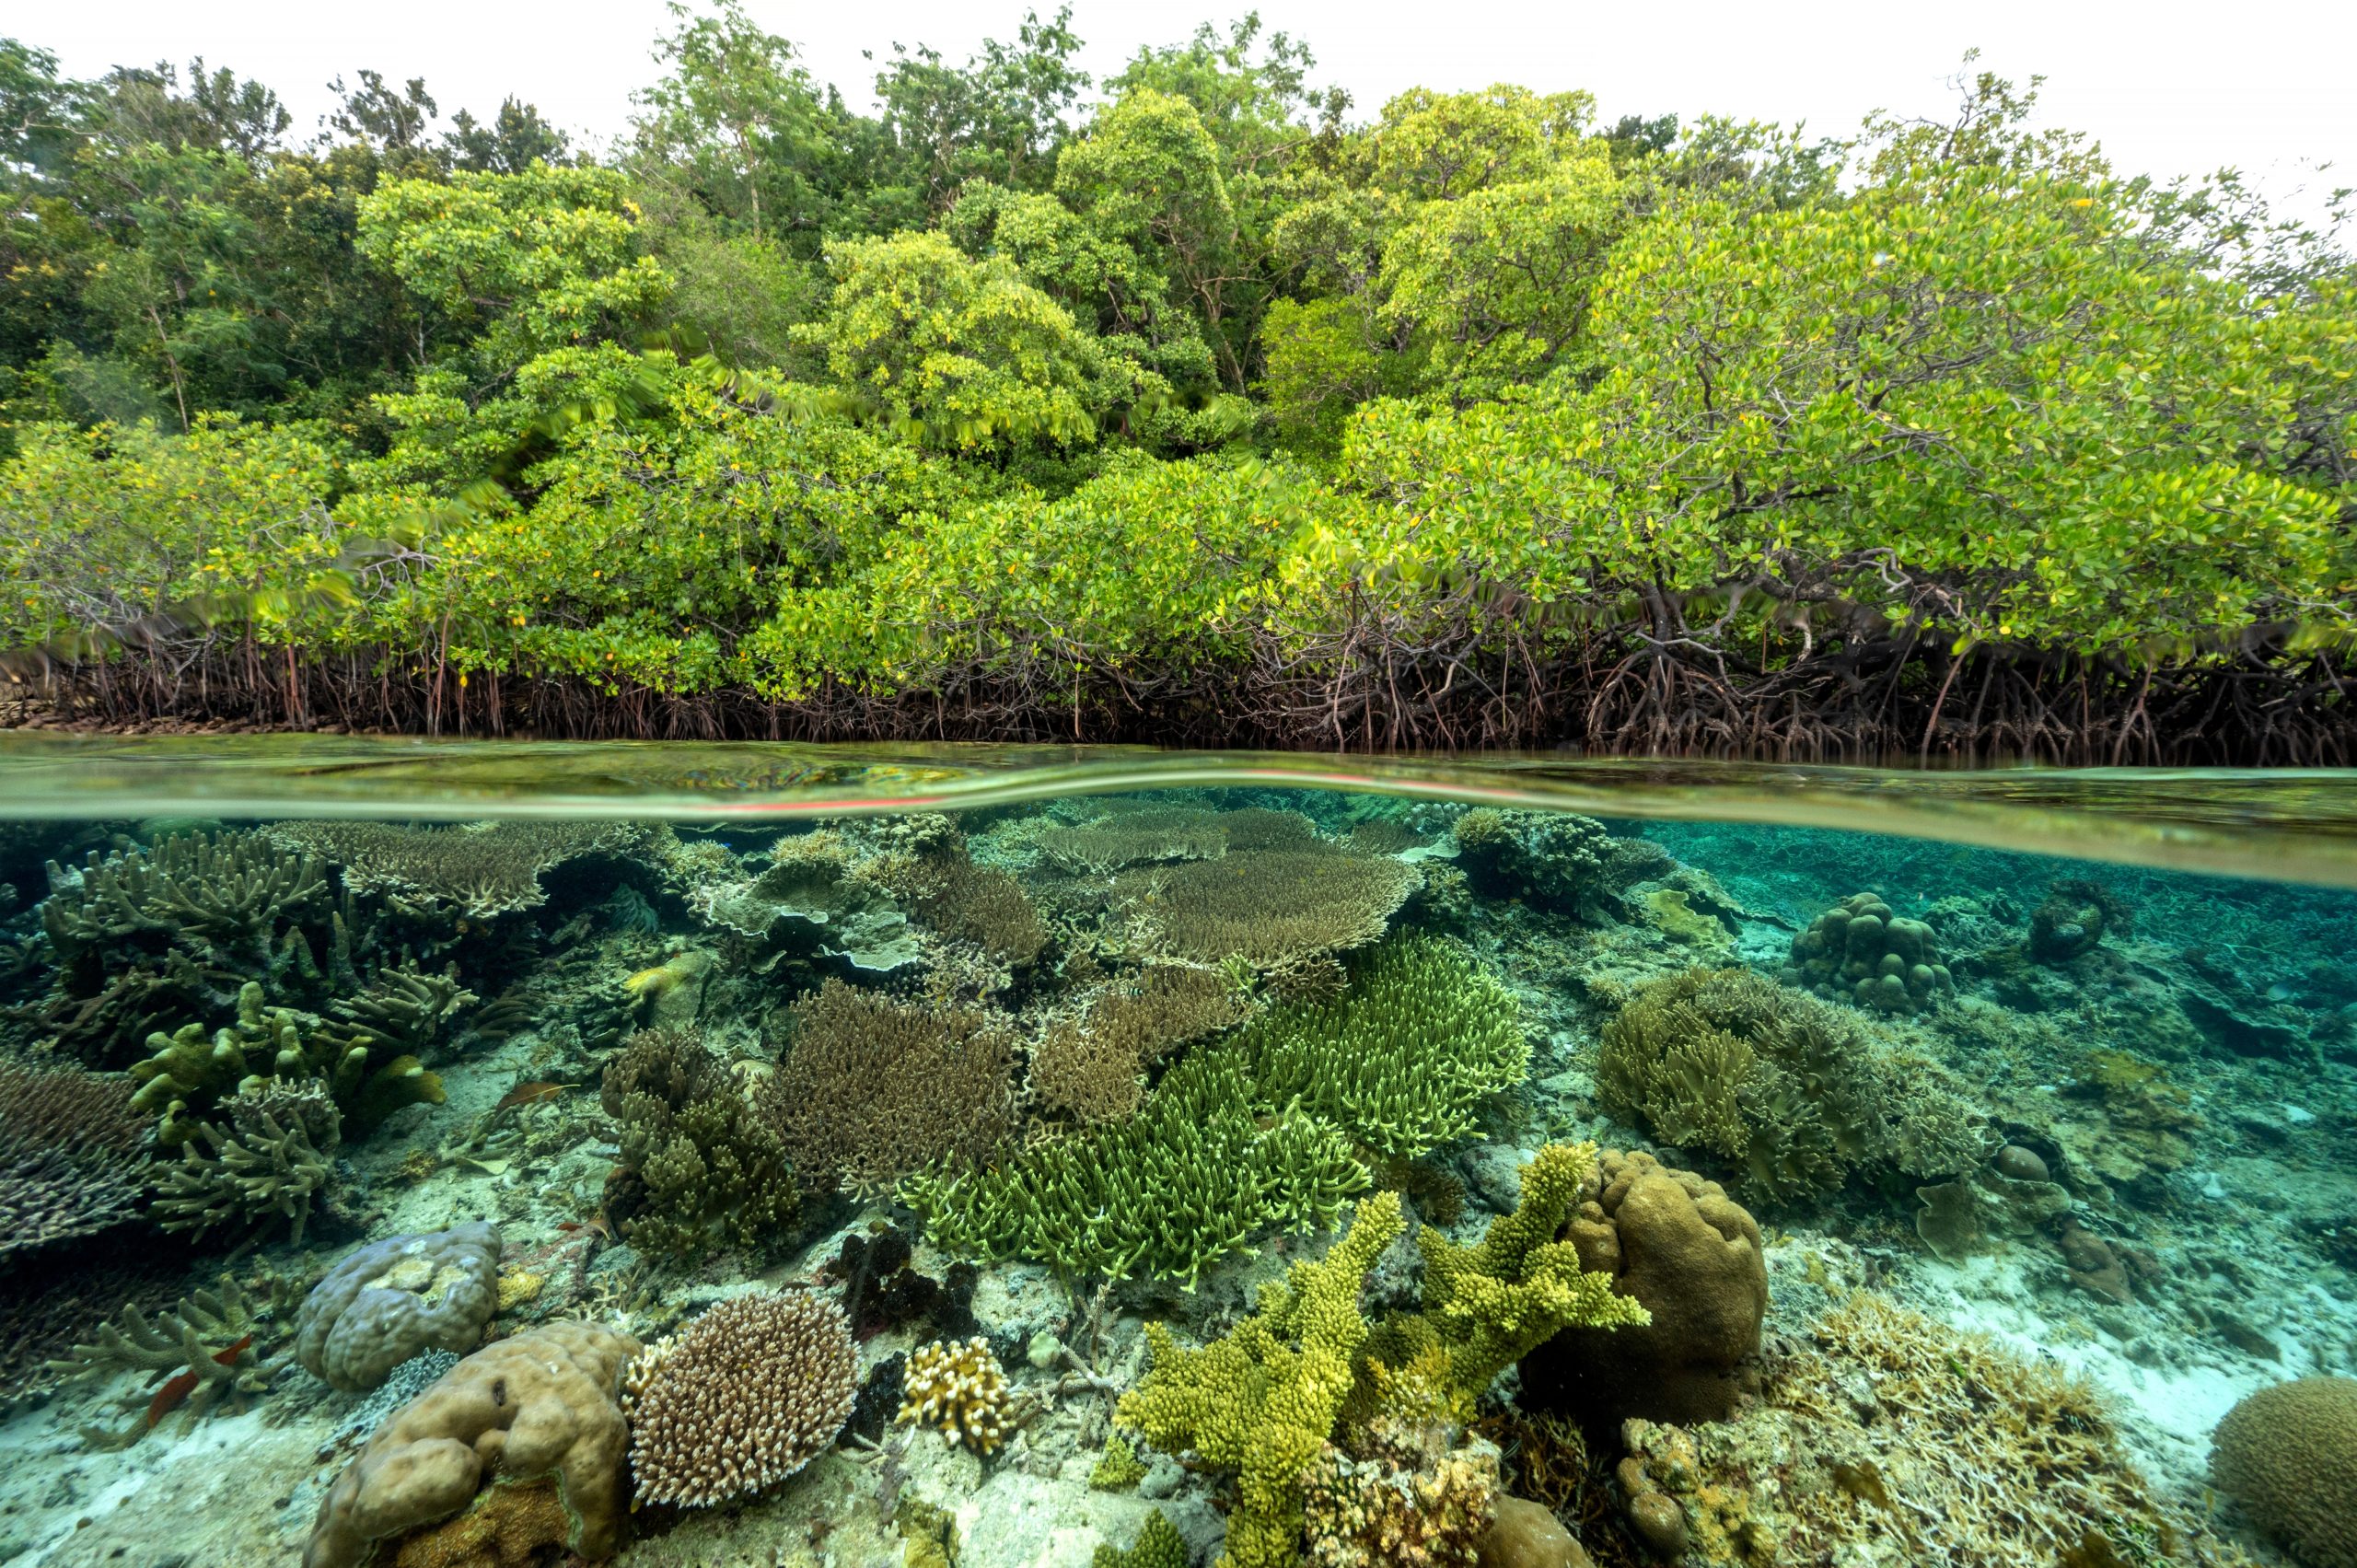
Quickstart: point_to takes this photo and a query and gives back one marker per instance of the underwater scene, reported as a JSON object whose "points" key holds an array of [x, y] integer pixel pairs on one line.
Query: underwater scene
{"points": [[1222, 1172]]}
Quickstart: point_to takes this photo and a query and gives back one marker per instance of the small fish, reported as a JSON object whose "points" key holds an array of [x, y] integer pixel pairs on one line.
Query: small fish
{"points": [[528, 1093], [168, 1398]]}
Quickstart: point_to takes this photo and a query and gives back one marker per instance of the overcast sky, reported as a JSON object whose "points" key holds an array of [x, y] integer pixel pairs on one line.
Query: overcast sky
{"points": [[2169, 91]]}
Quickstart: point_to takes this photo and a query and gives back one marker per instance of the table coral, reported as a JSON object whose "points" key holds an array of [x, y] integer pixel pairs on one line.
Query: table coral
{"points": [[959, 1390], [541, 1406], [392, 1299], [739, 1400]]}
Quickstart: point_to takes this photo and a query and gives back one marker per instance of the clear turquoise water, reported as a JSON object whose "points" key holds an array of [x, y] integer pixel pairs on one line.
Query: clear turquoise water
{"points": [[2089, 1091]]}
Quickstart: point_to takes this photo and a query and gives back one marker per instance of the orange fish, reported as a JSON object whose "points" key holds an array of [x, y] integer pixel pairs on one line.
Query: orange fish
{"points": [[530, 1094], [168, 1398]]}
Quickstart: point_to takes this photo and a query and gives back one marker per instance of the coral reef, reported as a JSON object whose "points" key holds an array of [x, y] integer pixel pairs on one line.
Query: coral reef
{"points": [[68, 1155], [814, 899], [1397, 1502], [2288, 1455], [1554, 860], [1861, 952], [539, 1408], [959, 1391], [1791, 1093], [873, 1088], [700, 1167], [1159, 1545], [387, 1302], [478, 870], [1403, 1059], [276, 1155], [740, 1398], [1679, 1248], [1262, 1399], [1202, 1170], [1285, 912]]}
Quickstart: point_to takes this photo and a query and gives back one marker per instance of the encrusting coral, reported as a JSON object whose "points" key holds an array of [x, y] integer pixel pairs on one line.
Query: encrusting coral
{"points": [[2288, 1453], [69, 1161], [959, 1390], [740, 1398], [1791, 1093], [276, 1155], [816, 898], [1861, 952], [701, 1167], [873, 1088], [392, 1299], [1262, 1399], [537, 1414], [1679, 1248]]}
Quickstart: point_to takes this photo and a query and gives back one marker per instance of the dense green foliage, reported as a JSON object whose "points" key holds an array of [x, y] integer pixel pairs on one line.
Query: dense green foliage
{"points": [[1009, 394]]}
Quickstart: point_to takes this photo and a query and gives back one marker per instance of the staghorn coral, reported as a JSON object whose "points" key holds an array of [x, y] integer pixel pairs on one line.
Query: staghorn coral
{"points": [[1793, 1093], [1860, 951], [391, 1300], [1118, 1469], [478, 870], [1277, 911], [1679, 1248], [1400, 1503], [872, 1088], [1202, 1170], [2288, 1453], [703, 1166], [68, 1145], [1403, 1059], [275, 1157], [538, 1413], [1487, 1306], [1089, 1065], [1263, 1397], [1082, 1074], [740, 1398], [959, 1390], [206, 1344]]}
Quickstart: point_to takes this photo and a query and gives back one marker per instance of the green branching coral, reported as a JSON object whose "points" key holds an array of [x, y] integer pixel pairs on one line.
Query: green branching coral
{"points": [[1792, 1092], [208, 1340], [707, 1169], [1200, 1171], [1262, 1400], [1159, 1545], [478, 870], [1401, 1060], [276, 1155], [1487, 1306]]}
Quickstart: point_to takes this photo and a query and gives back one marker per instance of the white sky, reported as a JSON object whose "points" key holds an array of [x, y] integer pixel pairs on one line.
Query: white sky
{"points": [[2169, 89]]}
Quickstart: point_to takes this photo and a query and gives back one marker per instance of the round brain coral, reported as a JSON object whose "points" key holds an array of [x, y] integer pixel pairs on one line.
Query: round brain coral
{"points": [[741, 1399], [2288, 1453]]}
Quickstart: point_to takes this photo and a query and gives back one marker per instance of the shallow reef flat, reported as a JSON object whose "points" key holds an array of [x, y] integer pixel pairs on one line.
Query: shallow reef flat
{"points": [[1260, 1178]]}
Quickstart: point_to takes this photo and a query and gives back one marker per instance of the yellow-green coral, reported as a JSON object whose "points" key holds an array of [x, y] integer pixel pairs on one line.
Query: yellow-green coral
{"points": [[959, 1390], [1262, 1399], [1159, 1545], [1118, 1467]]}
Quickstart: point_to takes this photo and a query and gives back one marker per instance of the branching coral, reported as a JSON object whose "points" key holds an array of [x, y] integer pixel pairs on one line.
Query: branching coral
{"points": [[537, 1414], [1395, 1503], [480, 870], [1262, 1399], [873, 1088], [739, 1400], [959, 1390], [1134, 837], [1159, 1545], [1792, 1092], [708, 1169], [1402, 1061], [1861, 952], [1089, 1065], [273, 1159], [394, 1299], [68, 1155], [1200, 1171], [202, 1353], [981, 904]]}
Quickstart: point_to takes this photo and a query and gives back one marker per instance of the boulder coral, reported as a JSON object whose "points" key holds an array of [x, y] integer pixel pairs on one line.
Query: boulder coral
{"points": [[1679, 1246], [2288, 1453], [1861, 952], [538, 1413], [396, 1299]]}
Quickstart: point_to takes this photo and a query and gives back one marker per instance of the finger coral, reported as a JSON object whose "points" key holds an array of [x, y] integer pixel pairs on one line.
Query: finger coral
{"points": [[396, 1299], [68, 1160], [959, 1390], [704, 1167], [201, 1353], [276, 1155], [873, 1088], [538, 1415], [1262, 1400], [740, 1398]]}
